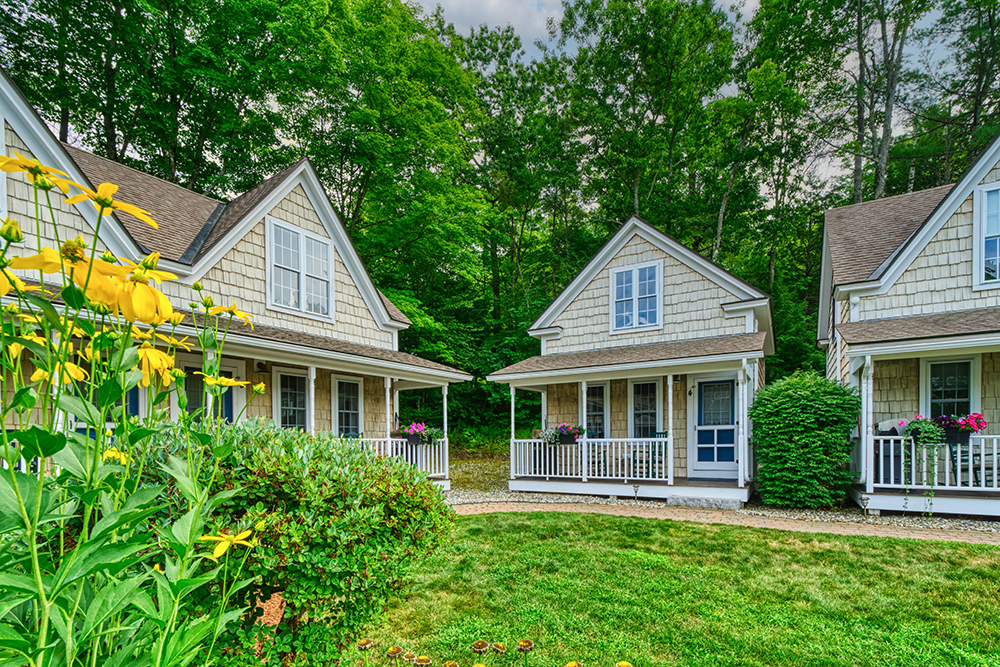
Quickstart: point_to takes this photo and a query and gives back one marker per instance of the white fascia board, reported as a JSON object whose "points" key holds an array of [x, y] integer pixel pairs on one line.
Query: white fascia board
{"points": [[894, 267], [825, 289], [926, 347], [635, 226], [306, 176], [45, 148], [550, 333], [620, 371], [823, 343], [303, 355]]}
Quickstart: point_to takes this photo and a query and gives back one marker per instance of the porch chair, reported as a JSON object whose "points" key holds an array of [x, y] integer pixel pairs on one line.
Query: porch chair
{"points": [[960, 454], [657, 455]]}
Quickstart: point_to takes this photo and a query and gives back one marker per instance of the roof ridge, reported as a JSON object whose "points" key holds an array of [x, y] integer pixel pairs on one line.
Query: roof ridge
{"points": [[139, 171]]}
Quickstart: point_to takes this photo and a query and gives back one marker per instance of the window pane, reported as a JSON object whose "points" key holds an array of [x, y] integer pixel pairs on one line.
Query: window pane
{"points": [[317, 296], [285, 287], [647, 281], [647, 310], [317, 259], [644, 410], [623, 314], [706, 454], [349, 407], [293, 401], [726, 454], [993, 213], [623, 285], [716, 403], [595, 412], [286, 248], [951, 387]]}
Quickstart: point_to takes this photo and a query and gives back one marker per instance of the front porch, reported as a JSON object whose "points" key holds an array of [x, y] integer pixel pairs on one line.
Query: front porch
{"points": [[675, 430]]}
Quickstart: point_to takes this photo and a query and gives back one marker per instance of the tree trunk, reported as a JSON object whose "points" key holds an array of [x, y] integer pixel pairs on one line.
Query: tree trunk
{"points": [[860, 126], [892, 56], [729, 190], [635, 193]]}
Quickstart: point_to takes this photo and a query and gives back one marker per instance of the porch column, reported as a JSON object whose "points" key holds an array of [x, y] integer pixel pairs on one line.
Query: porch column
{"points": [[512, 395], [670, 429], [444, 426], [584, 458], [311, 399], [867, 439], [545, 410], [395, 407], [741, 403], [388, 409]]}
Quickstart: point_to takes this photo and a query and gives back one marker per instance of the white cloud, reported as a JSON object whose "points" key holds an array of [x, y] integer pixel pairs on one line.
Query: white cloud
{"points": [[528, 17]]}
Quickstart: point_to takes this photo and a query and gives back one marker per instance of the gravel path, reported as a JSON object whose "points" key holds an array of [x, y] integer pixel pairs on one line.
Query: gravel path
{"points": [[849, 515]]}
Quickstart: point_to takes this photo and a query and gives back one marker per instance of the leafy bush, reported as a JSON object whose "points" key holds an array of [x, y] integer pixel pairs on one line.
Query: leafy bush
{"points": [[801, 440], [337, 527]]}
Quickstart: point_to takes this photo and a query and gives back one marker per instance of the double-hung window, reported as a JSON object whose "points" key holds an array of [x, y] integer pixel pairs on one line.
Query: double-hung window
{"points": [[348, 406], [986, 245], [635, 297], [290, 398], [300, 269], [950, 388]]}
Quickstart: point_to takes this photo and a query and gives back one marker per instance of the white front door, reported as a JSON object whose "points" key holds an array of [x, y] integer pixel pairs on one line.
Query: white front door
{"points": [[713, 450]]}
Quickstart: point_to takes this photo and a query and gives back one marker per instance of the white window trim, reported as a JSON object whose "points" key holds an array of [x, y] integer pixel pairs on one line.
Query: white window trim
{"points": [[975, 393], [659, 403], [978, 238], [276, 373], [4, 176], [269, 259], [634, 268], [235, 366], [334, 390], [607, 407]]}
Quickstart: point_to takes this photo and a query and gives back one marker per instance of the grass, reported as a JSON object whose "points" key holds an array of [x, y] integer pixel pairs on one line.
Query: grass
{"points": [[479, 474], [599, 589]]}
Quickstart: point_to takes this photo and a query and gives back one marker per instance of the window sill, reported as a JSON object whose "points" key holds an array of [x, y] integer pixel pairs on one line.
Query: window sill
{"points": [[983, 286], [300, 313], [618, 332]]}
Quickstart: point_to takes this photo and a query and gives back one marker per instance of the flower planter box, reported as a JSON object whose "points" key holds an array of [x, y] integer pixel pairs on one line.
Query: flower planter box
{"points": [[567, 439], [414, 439], [955, 436]]}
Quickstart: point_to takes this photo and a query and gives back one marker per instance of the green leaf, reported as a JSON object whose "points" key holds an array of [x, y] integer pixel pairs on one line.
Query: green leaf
{"points": [[87, 412], [50, 313], [10, 515], [12, 640], [72, 458], [37, 442], [130, 359], [178, 470], [132, 378], [135, 435], [19, 583], [222, 451], [108, 393], [96, 556], [184, 528], [112, 599], [73, 296], [23, 400]]}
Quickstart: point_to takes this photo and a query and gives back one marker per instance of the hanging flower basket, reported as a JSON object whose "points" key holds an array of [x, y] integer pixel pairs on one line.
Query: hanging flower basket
{"points": [[567, 439]]}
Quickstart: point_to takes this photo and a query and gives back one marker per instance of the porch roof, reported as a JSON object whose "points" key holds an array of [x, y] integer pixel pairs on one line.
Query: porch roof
{"points": [[740, 345], [941, 325]]}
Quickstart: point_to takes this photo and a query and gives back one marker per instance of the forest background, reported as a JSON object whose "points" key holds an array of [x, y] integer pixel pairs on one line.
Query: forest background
{"points": [[476, 181]]}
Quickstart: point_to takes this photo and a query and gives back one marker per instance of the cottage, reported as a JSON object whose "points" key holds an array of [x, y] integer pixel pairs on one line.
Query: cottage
{"points": [[325, 340], [657, 352], [910, 314]]}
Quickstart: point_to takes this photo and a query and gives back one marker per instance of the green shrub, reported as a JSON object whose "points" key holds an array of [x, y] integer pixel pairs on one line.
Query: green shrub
{"points": [[801, 440], [337, 530]]}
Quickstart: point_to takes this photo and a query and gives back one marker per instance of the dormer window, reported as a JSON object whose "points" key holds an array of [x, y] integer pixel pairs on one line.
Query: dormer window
{"points": [[300, 270], [636, 298]]}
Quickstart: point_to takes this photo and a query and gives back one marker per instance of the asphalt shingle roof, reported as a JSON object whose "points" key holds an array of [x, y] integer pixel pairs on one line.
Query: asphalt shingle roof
{"points": [[958, 323]]}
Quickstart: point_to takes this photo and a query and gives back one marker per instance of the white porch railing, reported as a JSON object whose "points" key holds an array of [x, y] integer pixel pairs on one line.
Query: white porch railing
{"points": [[431, 458], [625, 459], [902, 464]]}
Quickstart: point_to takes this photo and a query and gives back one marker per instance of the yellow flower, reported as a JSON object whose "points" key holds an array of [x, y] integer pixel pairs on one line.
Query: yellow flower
{"points": [[409, 657], [73, 259], [141, 302], [623, 663], [173, 342], [394, 652], [259, 388], [573, 663], [365, 644], [11, 231], [450, 663], [158, 568], [114, 455], [148, 268], [175, 319], [67, 371], [105, 203], [40, 175], [155, 361], [525, 646], [499, 648], [233, 312], [422, 661], [142, 334], [221, 381], [8, 280], [197, 286], [226, 540], [479, 646]]}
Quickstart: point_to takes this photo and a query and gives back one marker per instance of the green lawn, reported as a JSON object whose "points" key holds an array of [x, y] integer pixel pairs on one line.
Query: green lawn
{"points": [[601, 589]]}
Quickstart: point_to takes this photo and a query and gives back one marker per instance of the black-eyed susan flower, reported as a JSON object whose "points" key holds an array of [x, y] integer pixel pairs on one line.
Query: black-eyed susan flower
{"points": [[66, 371], [449, 663], [11, 231], [148, 268], [422, 661], [525, 646], [259, 388], [394, 652], [39, 175], [175, 342], [366, 644], [221, 381], [479, 646], [72, 258], [153, 362], [226, 540], [409, 657], [113, 454], [106, 204], [499, 648], [233, 312], [140, 301]]}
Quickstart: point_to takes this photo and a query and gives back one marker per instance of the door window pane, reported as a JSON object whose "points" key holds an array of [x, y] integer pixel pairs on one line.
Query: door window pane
{"points": [[951, 387], [293, 401], [349, 407], [716, 403], [643, 409], [595, 412]]}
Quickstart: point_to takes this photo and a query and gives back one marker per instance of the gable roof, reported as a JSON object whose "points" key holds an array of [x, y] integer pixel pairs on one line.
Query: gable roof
{"points": [[636, 226], [862, 237]]}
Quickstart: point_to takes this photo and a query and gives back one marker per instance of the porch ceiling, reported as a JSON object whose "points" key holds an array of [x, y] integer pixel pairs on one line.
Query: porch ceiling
{"points": [[635, 361]]}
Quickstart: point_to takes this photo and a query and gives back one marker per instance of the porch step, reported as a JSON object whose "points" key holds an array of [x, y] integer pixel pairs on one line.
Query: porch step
{"points": [[705, 503]]}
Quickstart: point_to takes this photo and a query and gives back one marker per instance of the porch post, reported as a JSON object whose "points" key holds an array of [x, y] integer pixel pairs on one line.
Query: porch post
{"points": [[512, 395], [584, 458], [741, 437], [670, 429], [444, 399], [388, 409], [868, 441], [395, 407], [545, 410], [311, 399]]}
